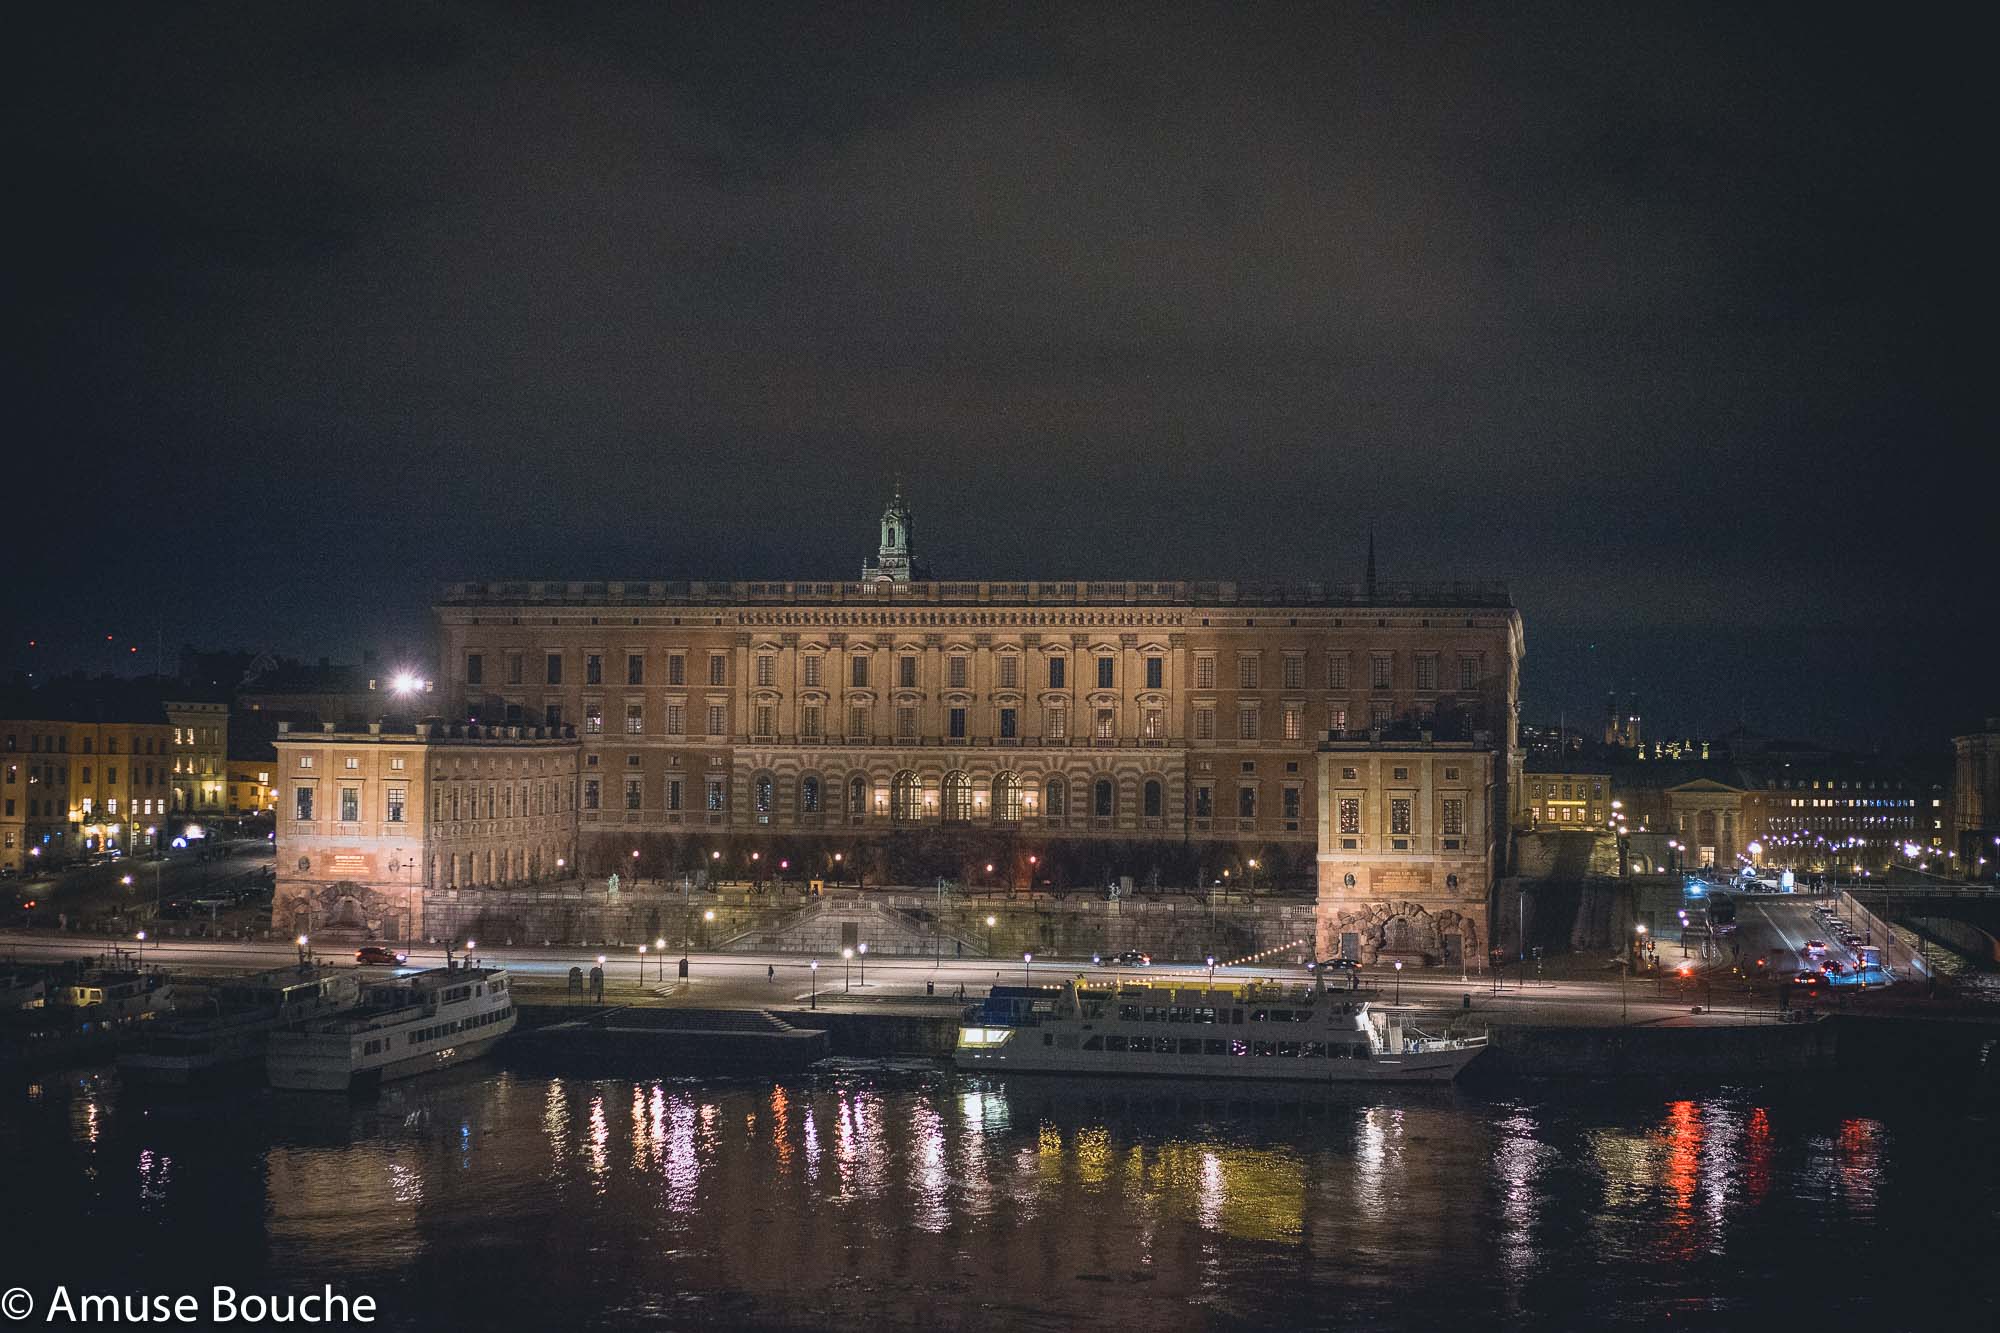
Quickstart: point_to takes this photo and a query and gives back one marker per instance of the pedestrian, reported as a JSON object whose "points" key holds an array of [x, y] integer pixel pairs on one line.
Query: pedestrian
{"points": [[771, 972], [958, 948]]}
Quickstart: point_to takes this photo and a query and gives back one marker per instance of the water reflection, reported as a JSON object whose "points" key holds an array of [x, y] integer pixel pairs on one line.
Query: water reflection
{"points": [[1023, 1203]]}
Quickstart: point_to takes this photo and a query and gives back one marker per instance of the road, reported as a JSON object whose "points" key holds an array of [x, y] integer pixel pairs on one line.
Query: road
{"points": [[90, 890], [788, 979]]}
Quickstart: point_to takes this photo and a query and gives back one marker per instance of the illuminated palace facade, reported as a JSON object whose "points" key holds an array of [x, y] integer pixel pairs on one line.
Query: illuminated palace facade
{"points": [[920, 728]]}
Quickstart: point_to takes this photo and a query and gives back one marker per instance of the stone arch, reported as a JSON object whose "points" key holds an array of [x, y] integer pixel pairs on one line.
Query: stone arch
{"points": [[906, 797], [955, 797]]}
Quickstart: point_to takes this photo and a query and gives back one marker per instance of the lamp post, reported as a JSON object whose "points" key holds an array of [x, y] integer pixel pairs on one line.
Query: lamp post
{"points": [[1250, 882], [862, 949], [838, 857], [989, 934], [660, 952], [847, 980], [1399, 981], [815, 968], [305, 955], [142, 948], [1211, 971], [642, 965], [1027, 969]]}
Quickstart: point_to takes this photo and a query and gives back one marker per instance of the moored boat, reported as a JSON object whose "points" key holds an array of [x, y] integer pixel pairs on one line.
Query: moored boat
{"points": [[1256, 1031], [405, 1026], [233, 1034]]}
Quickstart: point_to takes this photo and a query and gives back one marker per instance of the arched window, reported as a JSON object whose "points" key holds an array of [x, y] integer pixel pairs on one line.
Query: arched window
{"points": [[766, 794], [809, 794], [906, 797], [1155, 798], [1055, 799], [1100, 798], [957, 797], [1007, 799], [857, 795]]}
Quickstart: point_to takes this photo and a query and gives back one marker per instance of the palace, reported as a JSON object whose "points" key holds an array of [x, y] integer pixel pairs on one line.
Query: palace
{"points": [[1069, 732]]}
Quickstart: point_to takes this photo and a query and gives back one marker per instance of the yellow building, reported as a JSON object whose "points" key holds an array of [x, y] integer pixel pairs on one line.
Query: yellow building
{"points": [[1575, 799], [201, 747], [250, 790], [70, 789]]}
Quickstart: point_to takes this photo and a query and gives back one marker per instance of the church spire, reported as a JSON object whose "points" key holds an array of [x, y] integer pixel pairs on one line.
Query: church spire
{"points": [[895, 560]]}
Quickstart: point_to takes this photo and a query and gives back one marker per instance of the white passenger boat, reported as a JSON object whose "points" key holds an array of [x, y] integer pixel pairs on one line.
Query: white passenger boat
{"points": [[112, 994], [1257, 1031], [405, 1026], [233, 1033]]}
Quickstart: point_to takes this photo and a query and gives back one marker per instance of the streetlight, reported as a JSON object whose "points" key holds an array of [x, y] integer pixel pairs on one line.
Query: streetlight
{"points": [[837, 859], [303, 941], [815, 966], [989, 934], [660, 952], [642, 965], [1211, 971], [1027, 969], [1399, 981], [863, 949], [142, 948], [847, 980]]}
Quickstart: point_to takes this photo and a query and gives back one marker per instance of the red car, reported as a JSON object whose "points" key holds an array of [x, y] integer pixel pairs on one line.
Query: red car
{"points": [[377, 956]]}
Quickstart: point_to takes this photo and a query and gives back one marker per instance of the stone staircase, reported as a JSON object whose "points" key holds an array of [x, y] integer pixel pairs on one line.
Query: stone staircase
{"points": [[825, 927]]}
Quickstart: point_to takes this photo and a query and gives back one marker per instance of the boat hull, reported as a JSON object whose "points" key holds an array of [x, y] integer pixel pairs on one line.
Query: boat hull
{"points": [[317, 1075]]}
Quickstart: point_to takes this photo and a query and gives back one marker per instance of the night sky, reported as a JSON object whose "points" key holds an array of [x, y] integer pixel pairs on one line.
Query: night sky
{"points": [[1663, 314]]}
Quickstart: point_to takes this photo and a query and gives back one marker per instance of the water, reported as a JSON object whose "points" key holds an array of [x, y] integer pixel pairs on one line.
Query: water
{"points": [[911, 1197]]}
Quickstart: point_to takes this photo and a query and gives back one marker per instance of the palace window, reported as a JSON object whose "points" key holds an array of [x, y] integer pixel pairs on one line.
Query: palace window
{"points": [[1204, 672], [1007, 798], [1156, 673], [1107, 724], [1427, 671], [957, 797], [906, 723], [1152, 798], [809, 723], [475, 669], [590, 797], [1379, 668], [1204, 724], [1291, 803], [1102, 798], [593, 669], [955, 671], [1295, 724], [1468, 673], [1399, 814], [1009, 723], [677, 669], [1350, 814], [812, 671], [635, 668], [1295, 671], [1204, 802], [906, 794], [1010, 671], [394, 811], [1246, 671], [767, 670], [1106, 671], [635, 719], [514, 668], [718, 669], [715, 797], [857, 720], [634, 792], [1246, 802], [764, 793], [302, 807], [1058, 722], [809, 795], [1056, 670], [673, 793], [1452, 816], [350, 804], [677, 719], [955, 722], [554, 669], [906, 671], [1153, 724], [718, 719], [1055, 798], [1247, 723], [857, 794], [766, 719], [858, 672]]}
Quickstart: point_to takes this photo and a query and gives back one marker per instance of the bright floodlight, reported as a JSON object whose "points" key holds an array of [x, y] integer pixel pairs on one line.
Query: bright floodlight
{"points": [[404, 683]]}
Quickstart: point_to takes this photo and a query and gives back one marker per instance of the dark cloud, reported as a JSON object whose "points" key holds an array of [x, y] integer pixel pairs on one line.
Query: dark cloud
{"points": [[1659, 313]]}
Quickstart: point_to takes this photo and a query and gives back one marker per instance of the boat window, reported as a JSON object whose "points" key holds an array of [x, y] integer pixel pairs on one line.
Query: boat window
{"points": [[1263, 1047], [1093, 1043], [1066, 1042], [1236, 1016], [1212, 1046], [1288, 1050], [1313, 1050], [1129, 1012], [1114, 1042], [1238, 1046], [1190, 1045], [1260, 1015]]}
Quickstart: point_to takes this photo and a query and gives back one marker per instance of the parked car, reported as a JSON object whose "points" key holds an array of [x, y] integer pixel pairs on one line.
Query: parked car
{"points": [[376, 955], [1335, 965]]}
